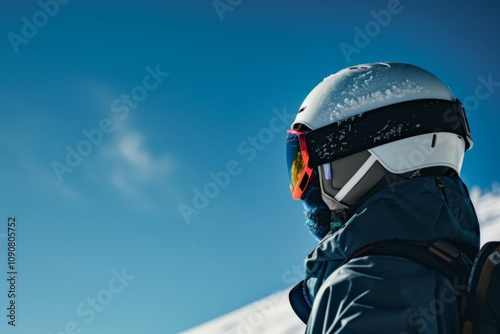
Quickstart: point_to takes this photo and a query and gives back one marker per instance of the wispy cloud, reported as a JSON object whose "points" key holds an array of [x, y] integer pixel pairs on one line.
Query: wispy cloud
{"points": [[142, 163], [124, 161], [487, 204], [137, 171]]}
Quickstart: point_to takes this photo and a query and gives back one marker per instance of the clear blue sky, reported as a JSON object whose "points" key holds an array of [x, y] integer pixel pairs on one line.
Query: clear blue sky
{"points": [[171, 95]]}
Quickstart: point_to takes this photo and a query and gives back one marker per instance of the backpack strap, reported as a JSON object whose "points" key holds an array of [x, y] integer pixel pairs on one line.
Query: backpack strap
{"points": [[482, 313], [440, 256]]}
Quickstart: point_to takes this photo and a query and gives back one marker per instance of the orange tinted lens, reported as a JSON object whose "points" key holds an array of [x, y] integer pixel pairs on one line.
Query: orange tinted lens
{"points": [[297, 169], [294, 161]]}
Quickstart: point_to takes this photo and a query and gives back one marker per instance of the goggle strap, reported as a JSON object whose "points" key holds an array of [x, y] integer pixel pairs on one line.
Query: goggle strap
{"points": [[385, 125]]}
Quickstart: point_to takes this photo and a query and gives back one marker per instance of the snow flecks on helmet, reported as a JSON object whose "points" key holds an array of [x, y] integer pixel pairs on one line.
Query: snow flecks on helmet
{"points": [[336, 142], [407, 87], [388, 132], [361, 93], [333, 146]]}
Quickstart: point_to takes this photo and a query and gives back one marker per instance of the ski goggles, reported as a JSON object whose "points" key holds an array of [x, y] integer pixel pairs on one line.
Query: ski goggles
{"points": [[297, 158], [305, 151]]}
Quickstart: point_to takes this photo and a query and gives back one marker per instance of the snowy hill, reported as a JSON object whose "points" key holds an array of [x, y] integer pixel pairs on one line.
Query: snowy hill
{"points": [[273, 315], [269, 315]]}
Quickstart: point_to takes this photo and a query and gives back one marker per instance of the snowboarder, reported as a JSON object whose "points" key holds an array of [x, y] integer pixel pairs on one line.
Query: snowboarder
{"points": [[375, 154]]}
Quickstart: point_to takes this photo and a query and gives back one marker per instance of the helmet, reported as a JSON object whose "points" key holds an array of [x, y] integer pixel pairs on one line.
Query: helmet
{"points": [[367, 122]]}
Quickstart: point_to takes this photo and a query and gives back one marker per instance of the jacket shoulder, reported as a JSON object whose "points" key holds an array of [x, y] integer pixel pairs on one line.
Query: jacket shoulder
{"points": [[387, 294]]}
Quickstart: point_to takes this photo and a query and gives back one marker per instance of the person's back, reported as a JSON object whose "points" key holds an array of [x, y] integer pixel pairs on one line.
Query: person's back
{"points": [[375, 153]]}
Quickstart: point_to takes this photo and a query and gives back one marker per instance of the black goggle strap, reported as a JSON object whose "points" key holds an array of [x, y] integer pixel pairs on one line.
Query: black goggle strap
{"points": [[384, 125]]}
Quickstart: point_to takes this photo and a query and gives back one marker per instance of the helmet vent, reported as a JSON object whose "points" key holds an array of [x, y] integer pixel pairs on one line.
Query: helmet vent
{"points": [[384, 64], [359, 67]]}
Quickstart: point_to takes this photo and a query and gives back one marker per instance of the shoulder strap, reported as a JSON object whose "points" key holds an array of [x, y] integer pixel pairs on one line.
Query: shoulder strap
{"points": [[482, 313], [439, 256]]}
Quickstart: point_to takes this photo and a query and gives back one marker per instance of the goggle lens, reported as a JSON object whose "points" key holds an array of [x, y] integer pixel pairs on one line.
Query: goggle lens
{"points": [[297, 159]]}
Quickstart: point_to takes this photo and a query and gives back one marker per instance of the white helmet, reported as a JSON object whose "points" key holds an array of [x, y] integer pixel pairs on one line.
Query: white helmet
{"points": [[366, 122]]}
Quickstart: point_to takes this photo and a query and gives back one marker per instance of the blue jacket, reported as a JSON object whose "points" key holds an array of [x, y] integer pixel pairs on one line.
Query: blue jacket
{"points": [[389, 294]]}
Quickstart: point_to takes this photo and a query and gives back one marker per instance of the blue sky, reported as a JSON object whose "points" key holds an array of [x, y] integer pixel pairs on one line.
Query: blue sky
{"points": [[173, 95]]}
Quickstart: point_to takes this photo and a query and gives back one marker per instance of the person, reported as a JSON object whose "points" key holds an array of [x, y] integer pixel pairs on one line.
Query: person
{"points": [[375, 154]]}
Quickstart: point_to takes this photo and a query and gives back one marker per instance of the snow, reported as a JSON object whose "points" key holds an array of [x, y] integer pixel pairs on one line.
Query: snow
{"points": [[384, 134], [362, 93], [273, 314]]}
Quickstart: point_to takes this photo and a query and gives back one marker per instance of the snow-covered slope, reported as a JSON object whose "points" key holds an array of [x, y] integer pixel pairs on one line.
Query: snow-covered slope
{"points": [[269, 315], [273, 315]]}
